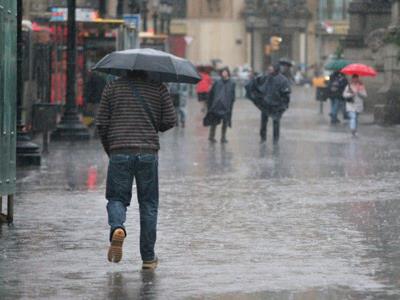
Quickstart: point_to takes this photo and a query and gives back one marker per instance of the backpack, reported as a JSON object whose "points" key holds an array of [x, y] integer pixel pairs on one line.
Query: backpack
{"points": [[337, 86]]}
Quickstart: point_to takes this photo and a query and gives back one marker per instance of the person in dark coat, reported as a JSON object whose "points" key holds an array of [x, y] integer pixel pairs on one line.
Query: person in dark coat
{"points": [[220, 105], [94, 89], [286, 69], [271, 94], [336, 85]]}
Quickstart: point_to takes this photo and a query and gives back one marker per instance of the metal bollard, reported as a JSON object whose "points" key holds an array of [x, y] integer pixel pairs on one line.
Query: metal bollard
{"points": [[10, 208]]}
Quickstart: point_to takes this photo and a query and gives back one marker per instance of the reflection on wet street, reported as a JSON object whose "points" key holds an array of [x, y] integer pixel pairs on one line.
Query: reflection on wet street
{"points": [[315, 218]]}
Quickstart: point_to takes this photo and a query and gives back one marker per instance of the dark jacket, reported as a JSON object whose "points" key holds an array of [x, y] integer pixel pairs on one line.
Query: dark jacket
{"points": [[122, 120], [220, 103], [336, 85], [94, 87], [270, 93]]}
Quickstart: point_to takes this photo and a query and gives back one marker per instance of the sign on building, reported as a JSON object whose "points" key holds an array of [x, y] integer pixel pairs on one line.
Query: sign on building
{"points": [[60, 14]]}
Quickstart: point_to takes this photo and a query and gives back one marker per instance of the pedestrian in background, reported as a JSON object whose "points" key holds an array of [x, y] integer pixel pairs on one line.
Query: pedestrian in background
{"points": [[132, 111], [276, 98], [220, 105], [179, 95], [355, 94], [336, 85], [286, 69], [93, 90], [203, 89]]}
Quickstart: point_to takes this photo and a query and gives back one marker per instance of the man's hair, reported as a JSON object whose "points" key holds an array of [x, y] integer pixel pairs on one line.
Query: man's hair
{"points": [[225, 69], [276, 67]]}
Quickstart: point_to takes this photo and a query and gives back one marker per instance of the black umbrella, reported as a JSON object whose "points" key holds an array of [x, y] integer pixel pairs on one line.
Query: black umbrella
{"points": [[160, 65]]}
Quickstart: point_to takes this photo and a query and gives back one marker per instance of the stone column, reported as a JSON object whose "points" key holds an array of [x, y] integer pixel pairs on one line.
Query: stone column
{"points": [[112, 8], [395, 19], [387, 112], [258, 51]]}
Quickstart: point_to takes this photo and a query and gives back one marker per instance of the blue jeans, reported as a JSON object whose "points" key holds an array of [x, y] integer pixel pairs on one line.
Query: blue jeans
{"points": [[342, 107], [263, 129], [122, 169], [335, 103], [181, 115], [353, 120]]}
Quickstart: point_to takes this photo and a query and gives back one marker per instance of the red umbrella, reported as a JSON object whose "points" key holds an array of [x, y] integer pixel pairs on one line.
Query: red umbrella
{"points": [[359, 69]]}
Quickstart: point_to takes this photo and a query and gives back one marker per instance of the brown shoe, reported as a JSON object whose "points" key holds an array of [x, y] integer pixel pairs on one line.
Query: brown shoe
{"points": [[150, 265], [115, 250]]}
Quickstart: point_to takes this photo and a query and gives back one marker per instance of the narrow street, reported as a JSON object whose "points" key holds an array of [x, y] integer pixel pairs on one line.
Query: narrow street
{"points": [[315, 218]]}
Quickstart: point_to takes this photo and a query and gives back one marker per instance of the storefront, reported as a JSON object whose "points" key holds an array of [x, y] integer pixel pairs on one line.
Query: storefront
{"points": [[278, 29], [95, 38]]}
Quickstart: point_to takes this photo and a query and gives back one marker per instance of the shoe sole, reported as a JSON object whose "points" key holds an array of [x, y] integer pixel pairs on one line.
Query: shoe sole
{"points": [[150, 265], [115, 250]]}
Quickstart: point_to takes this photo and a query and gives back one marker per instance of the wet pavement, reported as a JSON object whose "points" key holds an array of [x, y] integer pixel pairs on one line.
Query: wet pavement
{"points": [[315, 218]]}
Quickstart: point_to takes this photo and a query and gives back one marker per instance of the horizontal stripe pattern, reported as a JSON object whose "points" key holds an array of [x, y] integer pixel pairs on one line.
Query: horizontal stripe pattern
{"points": [[122, 121]]}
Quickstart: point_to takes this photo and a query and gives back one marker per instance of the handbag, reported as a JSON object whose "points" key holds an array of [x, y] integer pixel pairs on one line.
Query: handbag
{"points": [[349, 99]]}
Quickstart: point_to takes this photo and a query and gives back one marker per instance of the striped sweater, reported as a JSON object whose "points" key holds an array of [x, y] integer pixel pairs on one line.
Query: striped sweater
{"points": [[123, 123]]}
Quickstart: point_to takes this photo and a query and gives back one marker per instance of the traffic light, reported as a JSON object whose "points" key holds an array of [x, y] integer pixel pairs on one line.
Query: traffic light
{"points": [[275, 42]]}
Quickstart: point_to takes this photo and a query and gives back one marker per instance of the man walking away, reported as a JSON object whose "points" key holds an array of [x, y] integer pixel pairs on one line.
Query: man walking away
{"points": [[220, 105], [276, 100], [132, 111]]}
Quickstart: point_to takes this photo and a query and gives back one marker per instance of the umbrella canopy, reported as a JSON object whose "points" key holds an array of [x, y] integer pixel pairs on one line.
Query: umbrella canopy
{"points": [[359, 69], [160, 66], [337, 64]]}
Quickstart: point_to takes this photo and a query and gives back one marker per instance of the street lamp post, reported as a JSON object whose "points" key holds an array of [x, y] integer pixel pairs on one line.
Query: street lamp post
{"points": [[155, 22], [169, 10], [120, 8], [144, 11], [27, 151], [165, 16], [70, 127], [252, 42], [162, 17]]}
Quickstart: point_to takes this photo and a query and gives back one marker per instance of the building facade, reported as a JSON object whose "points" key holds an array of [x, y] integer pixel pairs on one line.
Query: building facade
{"points": [[212, 31], [331, 24], [372, 40]]}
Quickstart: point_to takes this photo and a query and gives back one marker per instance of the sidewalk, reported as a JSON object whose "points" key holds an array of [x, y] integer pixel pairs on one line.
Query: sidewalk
{"points": [[315, 218]]}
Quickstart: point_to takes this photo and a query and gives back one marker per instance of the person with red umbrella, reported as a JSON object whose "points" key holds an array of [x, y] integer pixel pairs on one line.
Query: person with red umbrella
{"points": [[359, 69], [354, 94]]}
